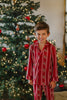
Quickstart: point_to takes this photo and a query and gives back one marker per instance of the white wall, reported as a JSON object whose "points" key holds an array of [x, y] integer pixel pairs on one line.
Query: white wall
{"points": [[54, 13]]}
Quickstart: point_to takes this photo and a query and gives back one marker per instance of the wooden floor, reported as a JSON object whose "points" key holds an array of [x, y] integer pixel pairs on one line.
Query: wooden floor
{"points": [[57, 96], [60, 95]]}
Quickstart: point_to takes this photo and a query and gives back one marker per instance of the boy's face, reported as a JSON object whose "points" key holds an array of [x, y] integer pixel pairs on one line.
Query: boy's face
{"points": [[42, 35]]}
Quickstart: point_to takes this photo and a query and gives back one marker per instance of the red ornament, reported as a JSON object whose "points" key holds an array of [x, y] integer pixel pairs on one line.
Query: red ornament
{"points": [[4, 49], [26, 46], [17, 27], [0, 31], [27, 17], [35, 41], [25, 68], [66, 57], [61, 85], [31, 8]]}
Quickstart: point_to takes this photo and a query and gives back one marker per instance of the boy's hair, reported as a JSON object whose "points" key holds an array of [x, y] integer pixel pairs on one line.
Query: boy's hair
{"points": [[41, 25]]}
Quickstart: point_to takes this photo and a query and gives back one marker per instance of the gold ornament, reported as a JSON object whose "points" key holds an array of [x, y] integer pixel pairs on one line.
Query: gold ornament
{"points": [[18, 94], [34, 33], [6, 54], [23, 53], [21, 66], [64, 66], [13, 2], [16, 72], [16, 58], [30, 89], [23, 32], [31, 94], [5, 72], [14, 95], [61, 58], [27, 38], [23, 76], [18, 88], [25, 57], [14, 32], [5, 66], [14, 52]]}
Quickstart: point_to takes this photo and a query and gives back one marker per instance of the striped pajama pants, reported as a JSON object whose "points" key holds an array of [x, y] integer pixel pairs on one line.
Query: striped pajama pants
{"points": [[38, 89]]}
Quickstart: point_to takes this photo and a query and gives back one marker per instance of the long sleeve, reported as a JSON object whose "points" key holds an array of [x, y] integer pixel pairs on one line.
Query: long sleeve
{"points": [[29, 74], [54, 65]]}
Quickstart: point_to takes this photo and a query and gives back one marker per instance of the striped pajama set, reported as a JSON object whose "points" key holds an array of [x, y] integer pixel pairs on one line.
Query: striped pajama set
{"points": [[42, 69]]}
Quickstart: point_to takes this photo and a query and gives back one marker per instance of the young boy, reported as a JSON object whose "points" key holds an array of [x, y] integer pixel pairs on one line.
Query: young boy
{"points": [[42, 64]]}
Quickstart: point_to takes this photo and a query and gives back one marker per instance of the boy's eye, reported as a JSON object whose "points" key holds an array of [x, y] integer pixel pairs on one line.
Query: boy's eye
{"points": [[38, 34]]}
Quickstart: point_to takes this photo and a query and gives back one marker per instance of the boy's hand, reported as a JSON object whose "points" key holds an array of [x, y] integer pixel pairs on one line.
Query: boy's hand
{"points": [[30, 82], [53, 84]]}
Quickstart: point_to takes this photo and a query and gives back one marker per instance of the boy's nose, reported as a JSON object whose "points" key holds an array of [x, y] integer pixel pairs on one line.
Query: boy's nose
{"points": [[40, 36]]}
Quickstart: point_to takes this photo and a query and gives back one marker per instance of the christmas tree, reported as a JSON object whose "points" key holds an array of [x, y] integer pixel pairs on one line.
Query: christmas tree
{"points": [[17, 20]]}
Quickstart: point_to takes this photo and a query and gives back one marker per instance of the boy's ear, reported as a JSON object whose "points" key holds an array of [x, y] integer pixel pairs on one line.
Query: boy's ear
{"points": [[48, 33]]}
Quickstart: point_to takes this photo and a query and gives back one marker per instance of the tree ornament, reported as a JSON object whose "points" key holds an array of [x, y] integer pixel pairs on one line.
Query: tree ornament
{"points": [[17, 27], [0, 31], [25, 57], [34, 33], [35, 41], [25, 68], [26, 46], [27, 17], [23, 53], [27, 38], [31, 8], [4, 49], [13, 2], [61, 85], [66, 57]]}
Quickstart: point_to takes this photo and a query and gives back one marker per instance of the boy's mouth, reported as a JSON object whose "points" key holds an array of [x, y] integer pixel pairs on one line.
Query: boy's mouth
{"points": [[41, 39]]}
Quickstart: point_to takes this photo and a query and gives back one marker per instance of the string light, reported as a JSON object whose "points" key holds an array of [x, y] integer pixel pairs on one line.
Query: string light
{"points": [[6, 54], [31, 94], [25, 57], [14, 95], [18, 88], [23, 32], [5, 72], [16, 72], [64, 66], [30, 89], [5, 66], [18, 94], [22, 66], [4, 63], [23, 53], [23, 76]]}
